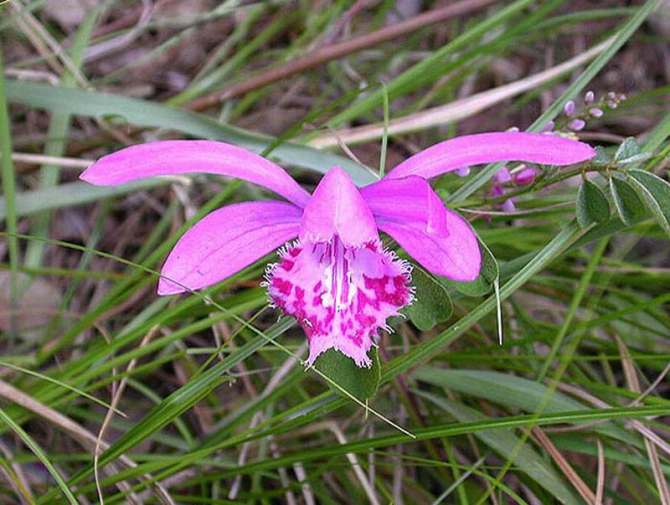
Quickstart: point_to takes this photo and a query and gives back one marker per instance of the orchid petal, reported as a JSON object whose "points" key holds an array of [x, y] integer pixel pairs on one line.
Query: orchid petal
{"points": [[408, 199], [454, 254], [172, 157], [412, 213], [480, 148], [337, 208], [226, 241]]}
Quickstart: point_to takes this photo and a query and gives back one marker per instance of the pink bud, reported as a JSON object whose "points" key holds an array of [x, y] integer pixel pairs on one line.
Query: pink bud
{"points": [[577, 124], [508, 205], [463, 172], [503, 176], [513, 129], [589, 97], [596, 112], [525, 176], [548, 127], [569, 108]]}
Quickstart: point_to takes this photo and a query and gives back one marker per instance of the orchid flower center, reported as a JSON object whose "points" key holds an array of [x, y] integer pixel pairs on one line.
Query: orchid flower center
{"points": [[340, 295]]}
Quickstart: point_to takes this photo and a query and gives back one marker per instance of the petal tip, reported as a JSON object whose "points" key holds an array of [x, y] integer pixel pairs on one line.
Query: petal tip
{"points": [[471, 269], [100, 175], [89, 176], [464, 273], [167, 287], [469, 276], [589, 150]]}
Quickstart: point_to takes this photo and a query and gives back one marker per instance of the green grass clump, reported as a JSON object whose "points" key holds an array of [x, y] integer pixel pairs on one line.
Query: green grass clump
{"points": [[110, 393]]}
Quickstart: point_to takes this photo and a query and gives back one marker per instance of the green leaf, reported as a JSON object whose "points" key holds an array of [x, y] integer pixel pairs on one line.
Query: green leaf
{"points": [[656, 194], [189, 394], [41, 455], [635, 159], [592, 205], [360, 382], [72, 193], [510, 391], [487, 276], [149, 114], [432, 304], [504, 389], [630, 152], [602, 157], [628, 205], [628, 148]]}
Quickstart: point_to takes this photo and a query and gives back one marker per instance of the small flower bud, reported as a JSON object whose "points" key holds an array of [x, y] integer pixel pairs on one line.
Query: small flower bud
{"points": [[513, 129], [596, 112], [611, 95], [503, 176], [577, 124], [569, 108], [548, 127], [525, 176], [508, 205], [463, 171], [589, 97], [612, 104]]}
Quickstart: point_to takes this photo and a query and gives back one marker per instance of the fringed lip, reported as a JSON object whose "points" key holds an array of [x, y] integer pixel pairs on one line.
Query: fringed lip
{"points": [[340, 295]]}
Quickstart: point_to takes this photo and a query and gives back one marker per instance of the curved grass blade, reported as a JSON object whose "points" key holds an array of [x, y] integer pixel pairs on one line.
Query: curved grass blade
{"points": [[37, 451], [149, 114], [504, 442], [622, 35]]}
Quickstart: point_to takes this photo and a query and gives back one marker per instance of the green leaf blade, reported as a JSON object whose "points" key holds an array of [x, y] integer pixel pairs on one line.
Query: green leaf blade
{"points": [[360, 382], [432, 304], [592, 205], [655, 192], [628, 205]]}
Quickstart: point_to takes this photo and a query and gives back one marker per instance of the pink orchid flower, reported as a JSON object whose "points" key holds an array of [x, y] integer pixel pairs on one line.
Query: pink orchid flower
{"points": [[336, 279]]}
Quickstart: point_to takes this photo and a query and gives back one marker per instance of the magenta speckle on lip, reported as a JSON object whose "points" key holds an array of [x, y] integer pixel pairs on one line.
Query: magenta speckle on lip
{"points": [[354, 291]]}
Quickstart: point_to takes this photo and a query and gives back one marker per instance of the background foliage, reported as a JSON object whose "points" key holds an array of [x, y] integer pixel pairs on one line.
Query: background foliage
{"points": [[111, 393]]}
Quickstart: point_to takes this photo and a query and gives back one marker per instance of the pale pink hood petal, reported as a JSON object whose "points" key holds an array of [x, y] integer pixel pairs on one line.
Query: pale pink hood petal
{"points": [[454, 254], [226, 241], [172, 157], [337, 208], [481, 148]]}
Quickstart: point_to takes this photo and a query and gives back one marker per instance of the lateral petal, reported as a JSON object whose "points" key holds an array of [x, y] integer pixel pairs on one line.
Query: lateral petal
{"points": [[407, 199], [454, 254], [226, 241]]}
